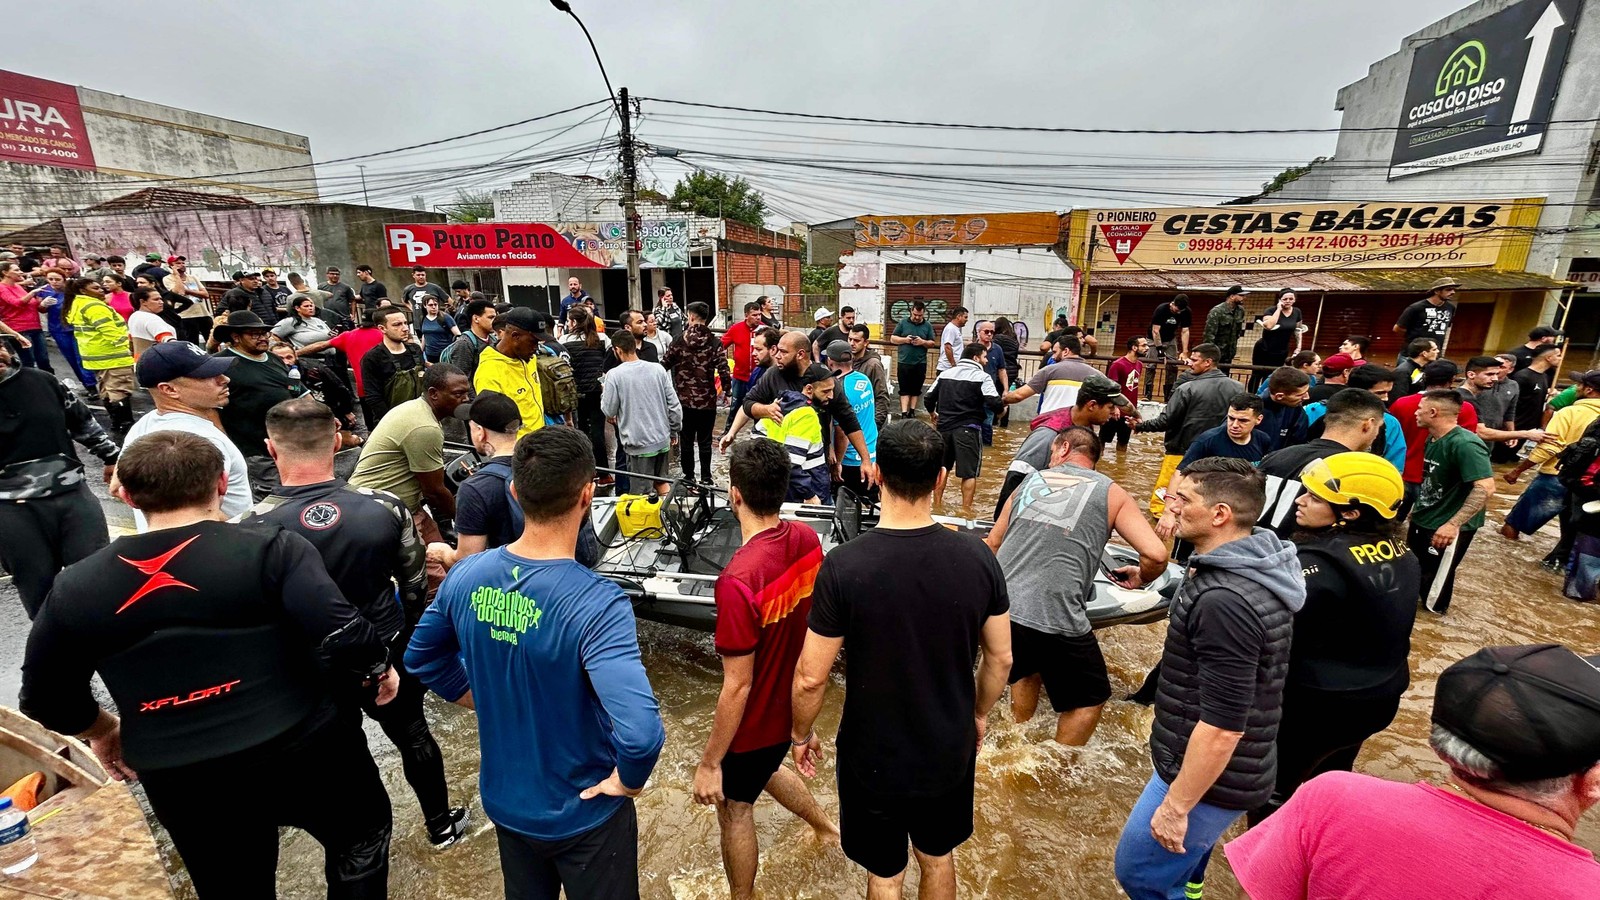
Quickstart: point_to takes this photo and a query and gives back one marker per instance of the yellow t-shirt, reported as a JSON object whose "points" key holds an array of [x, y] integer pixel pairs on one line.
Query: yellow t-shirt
{"points": [[516, 379]]}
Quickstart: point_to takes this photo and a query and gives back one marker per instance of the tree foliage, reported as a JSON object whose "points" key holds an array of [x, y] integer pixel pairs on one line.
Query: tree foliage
{"points": [[739, 201], [819, 279], [471, 206], [1289, 176]]}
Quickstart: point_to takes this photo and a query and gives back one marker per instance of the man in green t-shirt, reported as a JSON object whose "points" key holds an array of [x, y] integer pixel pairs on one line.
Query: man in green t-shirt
{"points": [[1457, 483], [913, 335]]}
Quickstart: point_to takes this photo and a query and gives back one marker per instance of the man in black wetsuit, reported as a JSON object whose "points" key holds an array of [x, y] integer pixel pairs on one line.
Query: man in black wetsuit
{"points": [[366, 538], [208, 637], [48, 517]]}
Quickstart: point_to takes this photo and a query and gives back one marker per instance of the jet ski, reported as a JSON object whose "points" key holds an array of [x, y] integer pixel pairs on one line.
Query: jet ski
{"points": [[670, 572]]}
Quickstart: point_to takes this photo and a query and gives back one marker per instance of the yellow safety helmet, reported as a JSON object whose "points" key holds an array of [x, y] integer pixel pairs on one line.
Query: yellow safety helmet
{"points": [[1354, 477]]}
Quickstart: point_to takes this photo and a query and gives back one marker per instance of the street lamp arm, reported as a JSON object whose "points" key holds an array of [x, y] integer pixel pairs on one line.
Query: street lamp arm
{"points": [[564, 6]]}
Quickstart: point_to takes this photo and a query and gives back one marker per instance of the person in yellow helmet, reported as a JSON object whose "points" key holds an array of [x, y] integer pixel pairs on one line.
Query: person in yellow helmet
{"points": [[1348, 660]]}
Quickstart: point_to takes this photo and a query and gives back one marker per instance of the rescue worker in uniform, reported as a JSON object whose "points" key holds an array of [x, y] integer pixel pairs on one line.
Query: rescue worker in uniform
{"points": [[208, 637], [368, 544], [1348, 657]]}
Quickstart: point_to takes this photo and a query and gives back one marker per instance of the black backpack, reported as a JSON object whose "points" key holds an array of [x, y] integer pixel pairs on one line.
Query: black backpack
{"points": [[1579, 463]]}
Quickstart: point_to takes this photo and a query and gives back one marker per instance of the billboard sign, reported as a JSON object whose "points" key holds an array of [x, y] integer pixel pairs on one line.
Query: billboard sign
{"points": [[663, 243], [1484, 91], [1302, 236], [977, 230], [41, 123], [482, 245]]}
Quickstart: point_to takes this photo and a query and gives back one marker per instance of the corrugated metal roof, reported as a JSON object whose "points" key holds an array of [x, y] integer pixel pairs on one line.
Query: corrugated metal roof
{"points": [[1345, 280]]}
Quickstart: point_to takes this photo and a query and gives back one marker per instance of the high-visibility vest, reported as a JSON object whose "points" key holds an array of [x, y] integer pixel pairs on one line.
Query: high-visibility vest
{"points": [[101, 334]]}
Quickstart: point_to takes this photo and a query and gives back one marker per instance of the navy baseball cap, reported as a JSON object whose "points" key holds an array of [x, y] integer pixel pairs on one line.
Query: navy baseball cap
{"points": [[178, 359], [493, 410]]}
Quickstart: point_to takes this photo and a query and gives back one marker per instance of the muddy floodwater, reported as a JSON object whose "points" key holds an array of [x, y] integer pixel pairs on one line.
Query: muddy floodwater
{"points": [[1047, 817]]}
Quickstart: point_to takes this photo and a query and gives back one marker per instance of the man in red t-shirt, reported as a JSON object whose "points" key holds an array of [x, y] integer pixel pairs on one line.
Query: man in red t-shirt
{"points": [[1440, 374], [738, 337], [763, 600], [1126, 370], [354, 344]]}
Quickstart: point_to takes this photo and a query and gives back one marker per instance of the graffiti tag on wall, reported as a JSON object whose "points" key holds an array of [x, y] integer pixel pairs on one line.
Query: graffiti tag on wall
{"points": [[216, 241]]}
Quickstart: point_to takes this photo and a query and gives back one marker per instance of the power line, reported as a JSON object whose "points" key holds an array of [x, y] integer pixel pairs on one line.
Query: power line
{"points": [[1049, 129]]}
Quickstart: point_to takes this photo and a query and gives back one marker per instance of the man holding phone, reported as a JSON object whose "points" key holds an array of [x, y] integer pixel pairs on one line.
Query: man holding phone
{"points": [[1049, 541]]}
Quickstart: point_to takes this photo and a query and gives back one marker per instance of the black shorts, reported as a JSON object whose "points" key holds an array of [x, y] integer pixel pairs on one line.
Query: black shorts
{"points": [[744, 775], [912, 377], [874, 827], [963, 452], [599, 864], [1073, 668]]}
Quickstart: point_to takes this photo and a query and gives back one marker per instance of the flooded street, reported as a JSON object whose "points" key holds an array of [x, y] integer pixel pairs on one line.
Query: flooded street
{"points": [[1047, 818]]}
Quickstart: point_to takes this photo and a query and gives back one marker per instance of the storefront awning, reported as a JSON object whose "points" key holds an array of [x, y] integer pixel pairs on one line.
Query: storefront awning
{"points": [[1343, 281]]}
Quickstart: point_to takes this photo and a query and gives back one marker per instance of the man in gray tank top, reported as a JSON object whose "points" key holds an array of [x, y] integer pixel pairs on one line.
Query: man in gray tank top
{"points": [[1049, 540]]}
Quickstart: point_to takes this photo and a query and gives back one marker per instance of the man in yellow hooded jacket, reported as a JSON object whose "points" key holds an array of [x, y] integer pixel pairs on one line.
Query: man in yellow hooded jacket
{"points": [[509, 368]]}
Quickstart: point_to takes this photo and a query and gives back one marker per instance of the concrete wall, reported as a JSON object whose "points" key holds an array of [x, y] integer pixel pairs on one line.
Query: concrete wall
{"points": [[348, 234], [1027, 284], [1360, 163], [138, 145]]}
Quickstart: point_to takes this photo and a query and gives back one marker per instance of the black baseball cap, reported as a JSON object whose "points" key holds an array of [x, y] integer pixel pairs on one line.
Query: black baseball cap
{"points": [[1541, 332], [492, 410], [178, 359], [815, 372], [1102, 389], [1533, 710], [1236, 289], [519, 317], [838, 351], [1590, 379]]}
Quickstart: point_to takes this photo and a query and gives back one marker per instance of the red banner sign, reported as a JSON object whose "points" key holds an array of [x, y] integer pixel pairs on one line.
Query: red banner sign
{"points": [[483, 245], [41, 123]]}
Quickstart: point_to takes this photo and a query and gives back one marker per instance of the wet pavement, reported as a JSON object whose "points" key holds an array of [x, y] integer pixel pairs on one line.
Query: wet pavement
{"points": [[1047, 817]]}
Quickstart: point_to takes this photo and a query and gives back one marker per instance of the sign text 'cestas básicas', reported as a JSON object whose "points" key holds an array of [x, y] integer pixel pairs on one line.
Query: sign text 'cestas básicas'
{"points": [[482, 245], [1407, 234]]}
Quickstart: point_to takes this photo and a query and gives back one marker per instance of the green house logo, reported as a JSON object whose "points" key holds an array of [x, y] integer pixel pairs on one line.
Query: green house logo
{"points": [[1464, 68]]}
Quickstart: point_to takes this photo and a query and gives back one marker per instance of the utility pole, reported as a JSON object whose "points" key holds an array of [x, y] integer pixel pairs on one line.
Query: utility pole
{"points": [[365, 200], [630, 195]]}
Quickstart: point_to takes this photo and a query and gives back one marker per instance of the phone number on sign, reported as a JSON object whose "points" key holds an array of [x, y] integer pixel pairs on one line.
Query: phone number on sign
{"points": [[38, 151], [1215, 244]]}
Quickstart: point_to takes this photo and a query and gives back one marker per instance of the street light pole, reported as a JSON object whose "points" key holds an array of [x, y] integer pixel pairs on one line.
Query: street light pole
{"points": [[630, 175], [365, 200]]}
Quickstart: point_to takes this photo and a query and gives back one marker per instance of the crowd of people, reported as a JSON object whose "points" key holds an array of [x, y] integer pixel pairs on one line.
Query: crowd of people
{"points": [[1316, 506]]}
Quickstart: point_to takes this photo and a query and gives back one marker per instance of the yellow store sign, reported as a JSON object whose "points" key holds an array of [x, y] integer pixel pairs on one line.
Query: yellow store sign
{"points": [[1309, 237]]}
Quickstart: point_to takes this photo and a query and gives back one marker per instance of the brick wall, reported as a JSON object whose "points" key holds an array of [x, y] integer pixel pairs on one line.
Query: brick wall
{"points": [[736, 264]]}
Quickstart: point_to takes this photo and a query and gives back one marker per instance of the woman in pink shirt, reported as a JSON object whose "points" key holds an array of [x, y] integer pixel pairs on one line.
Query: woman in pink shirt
{"points": [[117, 298], [19, 309]]}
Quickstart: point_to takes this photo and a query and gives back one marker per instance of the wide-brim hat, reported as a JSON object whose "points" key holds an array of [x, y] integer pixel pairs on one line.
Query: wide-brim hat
{"points": [[1443, 283], [239, 320]]}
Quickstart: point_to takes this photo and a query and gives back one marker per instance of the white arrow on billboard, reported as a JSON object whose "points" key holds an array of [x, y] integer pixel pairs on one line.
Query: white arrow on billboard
{"points": [[1541, 33]]}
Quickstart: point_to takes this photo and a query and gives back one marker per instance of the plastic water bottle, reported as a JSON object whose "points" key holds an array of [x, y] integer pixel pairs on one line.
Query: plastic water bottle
{"points": [[17, 848]]}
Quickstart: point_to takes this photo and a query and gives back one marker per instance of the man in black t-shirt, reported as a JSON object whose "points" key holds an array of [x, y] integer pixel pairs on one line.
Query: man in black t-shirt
{"points": [[1533, 386], [1169, 338], [342, 299], [1538, 337], [1431, 316], [913, 716], [372, 290], [257, 381], [217, 642]]}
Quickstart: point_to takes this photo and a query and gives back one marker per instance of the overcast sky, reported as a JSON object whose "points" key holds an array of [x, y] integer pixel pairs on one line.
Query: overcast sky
{"points": [[364, 77]]}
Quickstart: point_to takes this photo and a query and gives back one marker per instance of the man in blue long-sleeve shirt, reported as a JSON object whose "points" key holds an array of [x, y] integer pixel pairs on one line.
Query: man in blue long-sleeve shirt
{"points": [[547, 653]]}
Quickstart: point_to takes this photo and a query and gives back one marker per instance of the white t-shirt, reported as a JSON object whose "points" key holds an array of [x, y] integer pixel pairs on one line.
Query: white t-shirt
{"points": [[238, 498], [147, 326], [951, 336]]}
